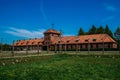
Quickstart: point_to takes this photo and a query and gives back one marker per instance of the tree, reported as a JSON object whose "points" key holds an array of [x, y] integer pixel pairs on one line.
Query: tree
{"points": [[117, 30], [100, 30], [6, 47], [108, 31], [117, 37], [81, 32], [92, 30]]}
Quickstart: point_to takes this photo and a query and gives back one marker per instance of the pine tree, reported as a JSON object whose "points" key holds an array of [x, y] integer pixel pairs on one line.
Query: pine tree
{"points": [[92, 30], [117, 30], [117, 33], [117, 37], [100, 30], [81, 32], [108, 31]]}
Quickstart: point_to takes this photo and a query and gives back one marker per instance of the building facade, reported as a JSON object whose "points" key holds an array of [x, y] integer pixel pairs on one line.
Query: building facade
{"points": [[54, 41]]}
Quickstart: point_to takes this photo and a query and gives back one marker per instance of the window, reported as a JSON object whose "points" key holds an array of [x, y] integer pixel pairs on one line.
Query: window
{"points": [[58, 41], [16, 43], [27, 42], [32, 42], [91, 45], [38, 42], [68, 41], [22, 43], [86, 46], [86, 40], [76, 40], [73, 46], [47, 42], [81, 46], [94, 39], [108, 45], [96, 45]]}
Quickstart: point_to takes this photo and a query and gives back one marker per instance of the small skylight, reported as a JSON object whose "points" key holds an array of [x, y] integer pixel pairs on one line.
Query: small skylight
{"points": [[76, 40], [22, 43], [94, 39], [59, 41], [68, 41], [86, 40], [32, 42]]}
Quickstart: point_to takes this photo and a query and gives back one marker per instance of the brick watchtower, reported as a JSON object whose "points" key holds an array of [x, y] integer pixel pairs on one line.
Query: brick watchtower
{"points": [[49, 36]]}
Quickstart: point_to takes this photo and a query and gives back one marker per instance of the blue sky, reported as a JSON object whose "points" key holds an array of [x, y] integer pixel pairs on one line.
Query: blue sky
{"points": [[23, 19]]}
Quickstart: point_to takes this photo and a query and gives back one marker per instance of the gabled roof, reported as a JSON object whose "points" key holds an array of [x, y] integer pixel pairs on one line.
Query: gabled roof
{"points": [[82, 39], [29, 42], [93, 38], [62, 40]]}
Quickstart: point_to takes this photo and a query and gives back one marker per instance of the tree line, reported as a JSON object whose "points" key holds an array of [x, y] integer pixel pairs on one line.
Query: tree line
{"points": [[99, 30], [5, 47]]}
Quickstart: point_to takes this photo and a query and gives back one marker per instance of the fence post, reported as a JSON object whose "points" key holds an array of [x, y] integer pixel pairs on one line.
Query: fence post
{"points": [[65, 47], [119, 45], [1, 46], [47, 48], [103, 47], [88, 47], [76, 47], [55, 48], [13, 54], [27, 48], [38, 47]]}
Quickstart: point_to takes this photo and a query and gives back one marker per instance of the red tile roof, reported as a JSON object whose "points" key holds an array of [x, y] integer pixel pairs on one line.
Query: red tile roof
{"points": [[93, 38], [29, 42], [52, 31]]}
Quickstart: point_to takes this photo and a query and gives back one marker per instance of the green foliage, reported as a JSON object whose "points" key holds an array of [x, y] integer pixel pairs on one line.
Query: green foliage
{"points": [[100, 30], [81, 32], [117, 37], [64, 67], [117, 30], [5, 47], [117, 33], [108, 31], [93, 30]]}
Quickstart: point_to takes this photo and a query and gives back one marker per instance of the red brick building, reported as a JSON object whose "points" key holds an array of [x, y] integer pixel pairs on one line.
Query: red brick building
{"points": [[54, 41]]}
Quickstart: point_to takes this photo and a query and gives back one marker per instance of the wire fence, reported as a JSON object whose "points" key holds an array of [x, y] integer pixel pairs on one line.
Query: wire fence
{"points": [[4, 54]]}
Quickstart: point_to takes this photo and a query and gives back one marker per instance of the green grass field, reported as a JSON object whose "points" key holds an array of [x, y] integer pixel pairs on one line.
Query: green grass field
{"points": [[61, 67]]}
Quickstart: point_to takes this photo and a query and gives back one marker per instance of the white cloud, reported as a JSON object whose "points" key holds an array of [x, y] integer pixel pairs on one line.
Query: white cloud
{"points": [[25, 33], [110, 7], [108, 18]]}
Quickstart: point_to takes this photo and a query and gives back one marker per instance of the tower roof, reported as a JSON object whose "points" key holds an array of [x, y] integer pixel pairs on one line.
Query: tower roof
{"points": [[51, 31]]}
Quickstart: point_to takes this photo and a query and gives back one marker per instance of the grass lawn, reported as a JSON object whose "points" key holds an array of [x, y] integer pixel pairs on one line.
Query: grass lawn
{"points": [[61, 67]]}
